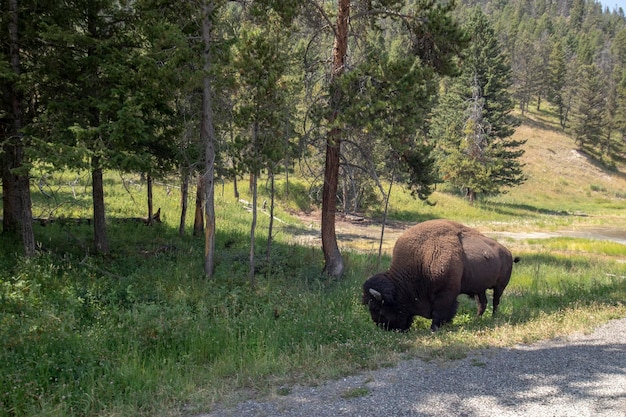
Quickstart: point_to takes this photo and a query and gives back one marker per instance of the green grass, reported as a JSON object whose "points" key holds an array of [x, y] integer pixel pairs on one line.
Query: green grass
{"points": [[355, 393], [141, 332]]}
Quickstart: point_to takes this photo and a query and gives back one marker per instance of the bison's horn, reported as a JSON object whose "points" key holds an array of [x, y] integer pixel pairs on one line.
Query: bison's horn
{"points": [[376, 294]]}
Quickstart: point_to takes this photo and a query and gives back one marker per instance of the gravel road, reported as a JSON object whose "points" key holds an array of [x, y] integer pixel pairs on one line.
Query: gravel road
{"points": [[578, 376]]}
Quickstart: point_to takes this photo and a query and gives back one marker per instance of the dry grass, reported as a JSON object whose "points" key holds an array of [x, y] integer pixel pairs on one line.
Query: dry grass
{"points": [[564, 180], [564, 189]]}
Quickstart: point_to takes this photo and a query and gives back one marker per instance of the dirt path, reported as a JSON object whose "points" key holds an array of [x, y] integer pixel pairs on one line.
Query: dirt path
{"points": [[354, 232], [361, 233]]}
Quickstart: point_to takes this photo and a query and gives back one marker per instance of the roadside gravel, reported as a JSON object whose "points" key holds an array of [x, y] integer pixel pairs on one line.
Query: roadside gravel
{"points": [[579, 376]]}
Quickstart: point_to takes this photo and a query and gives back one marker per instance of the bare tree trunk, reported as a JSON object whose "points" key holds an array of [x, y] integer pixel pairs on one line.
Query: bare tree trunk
{"points": [[184, 197], [253, 183], [149, 183], [271, 226], [287, 163], [99, 224], [198, 221], [207, 134], [538, 102], [334, 265], [253, 189], [15, 181], [471, 196], [382, 230], [236, 189], [10, 184]]}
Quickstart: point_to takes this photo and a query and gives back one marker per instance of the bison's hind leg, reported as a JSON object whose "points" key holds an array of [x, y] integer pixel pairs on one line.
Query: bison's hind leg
{"points": [[497, 293], [481, 300]]}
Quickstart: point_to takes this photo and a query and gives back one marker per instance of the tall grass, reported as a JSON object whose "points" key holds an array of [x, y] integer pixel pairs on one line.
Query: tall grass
{"points": [[141, 332]]}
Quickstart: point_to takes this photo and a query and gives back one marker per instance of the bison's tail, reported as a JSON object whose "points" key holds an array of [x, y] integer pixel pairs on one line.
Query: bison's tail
{"points": [[516, 259]]}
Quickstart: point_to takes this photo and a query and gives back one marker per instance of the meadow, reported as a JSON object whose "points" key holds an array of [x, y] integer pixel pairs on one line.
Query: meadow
{"points": [[142, 332]]}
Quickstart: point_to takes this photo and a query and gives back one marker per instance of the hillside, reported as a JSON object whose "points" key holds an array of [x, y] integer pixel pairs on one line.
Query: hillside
{"points": [[561, 178]]}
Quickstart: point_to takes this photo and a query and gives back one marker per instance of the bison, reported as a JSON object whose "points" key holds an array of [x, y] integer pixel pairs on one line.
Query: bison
{"points": [[433, 262]]}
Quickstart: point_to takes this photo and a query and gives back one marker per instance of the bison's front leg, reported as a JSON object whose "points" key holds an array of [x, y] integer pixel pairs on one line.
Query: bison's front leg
{"points": [[444, 311]]}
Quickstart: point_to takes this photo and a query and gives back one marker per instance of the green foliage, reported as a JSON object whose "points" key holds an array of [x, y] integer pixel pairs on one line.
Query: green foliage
{"points": [[557, 71], [472, 125], [589, 108], [436, 37], [549, 46], [261, 113], [385, 103]]}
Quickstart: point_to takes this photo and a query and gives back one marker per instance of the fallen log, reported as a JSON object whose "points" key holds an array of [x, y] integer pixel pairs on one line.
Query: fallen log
{"points": [[44, 221]]}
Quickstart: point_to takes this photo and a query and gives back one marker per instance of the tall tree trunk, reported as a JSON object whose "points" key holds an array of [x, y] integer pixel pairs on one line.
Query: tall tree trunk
{"points": [[198, 220], [207, 135], [184, 198], [382, 230], [253, 228], [149, 183], [101, 242], [271, 225], [10, 208], [334, 265], [253, 190], [235, 188], [18, 216], [10, 192], [287, 163], [471, 196], [99, 226], [538, 102]]}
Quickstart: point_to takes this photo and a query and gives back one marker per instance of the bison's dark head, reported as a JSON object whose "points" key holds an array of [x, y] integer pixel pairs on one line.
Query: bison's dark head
{"points": [[380, 294]]}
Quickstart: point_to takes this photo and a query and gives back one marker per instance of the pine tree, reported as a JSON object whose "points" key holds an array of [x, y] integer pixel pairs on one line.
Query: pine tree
{"points": [[472, 126], [557, 71], [260, 62], [577, 13], [620, 116], [14, 162], [430, 35], [105, 96], [589, 109], [526, 74]]}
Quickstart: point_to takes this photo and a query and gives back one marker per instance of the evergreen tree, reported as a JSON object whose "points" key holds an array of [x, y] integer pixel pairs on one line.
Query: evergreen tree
{"points": [[577, 13], [620, 116], [106, 95], [589, 108], [472, 126], [260, 62], [431, 35], [557, 71], [387, 100], [14, 144], [526, 71]]}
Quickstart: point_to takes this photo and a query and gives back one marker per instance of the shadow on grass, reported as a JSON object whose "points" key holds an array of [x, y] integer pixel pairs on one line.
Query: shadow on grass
{"points": [[523, 210], [542, 123]]}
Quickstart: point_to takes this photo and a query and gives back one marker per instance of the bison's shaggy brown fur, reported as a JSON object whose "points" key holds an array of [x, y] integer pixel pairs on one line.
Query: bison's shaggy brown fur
{"points": [[433, 262]]}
